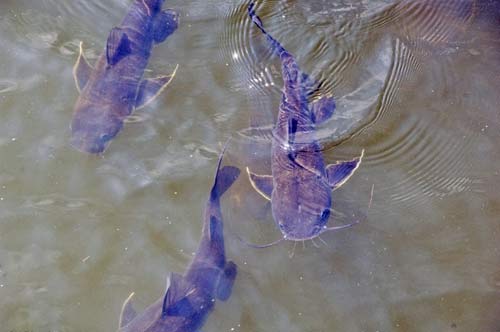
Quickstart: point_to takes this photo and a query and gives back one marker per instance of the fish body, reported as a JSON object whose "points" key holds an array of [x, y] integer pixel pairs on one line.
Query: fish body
{"points": [[300, 185], [191, 297], [114, 87]]}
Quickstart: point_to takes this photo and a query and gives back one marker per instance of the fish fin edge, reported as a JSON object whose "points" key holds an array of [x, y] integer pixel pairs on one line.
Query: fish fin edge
{"points": [[151, 88], [128, 312], [81, 70], [175, 302], [340, 172], [263, 184]]}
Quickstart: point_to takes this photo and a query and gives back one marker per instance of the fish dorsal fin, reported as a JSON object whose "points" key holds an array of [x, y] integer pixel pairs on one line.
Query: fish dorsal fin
{"points": [[263, 184], [292, 130], [82, 70], [176, 302], [151, 88], [224, 178], [322, 109], [164, 25], [118, 46], [128, 312], [338, 173]]}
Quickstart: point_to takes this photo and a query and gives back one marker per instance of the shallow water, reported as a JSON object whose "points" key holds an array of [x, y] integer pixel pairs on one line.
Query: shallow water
{"points": [[416, 87]]}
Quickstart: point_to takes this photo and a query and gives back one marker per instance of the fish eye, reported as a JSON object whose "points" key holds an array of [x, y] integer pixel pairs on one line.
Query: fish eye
{"points": [[325, 214], [105, 137]]}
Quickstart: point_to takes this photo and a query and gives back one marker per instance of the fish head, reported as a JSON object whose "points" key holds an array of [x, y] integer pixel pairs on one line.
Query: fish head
{"points": [[302, 221], [93, 126]]}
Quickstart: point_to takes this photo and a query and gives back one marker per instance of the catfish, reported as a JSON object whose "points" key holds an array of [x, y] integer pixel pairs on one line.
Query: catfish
{"points": [[112, 89], [190, 298], [300, 184]]}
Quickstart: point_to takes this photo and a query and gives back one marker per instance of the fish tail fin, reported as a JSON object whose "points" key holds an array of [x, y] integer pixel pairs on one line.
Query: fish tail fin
{"points": [[276, 46], [224, 178]]}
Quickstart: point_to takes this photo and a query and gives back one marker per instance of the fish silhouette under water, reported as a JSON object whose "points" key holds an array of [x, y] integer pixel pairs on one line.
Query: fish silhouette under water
{"points": [[190, 298], [115, 87], [300, 187]]}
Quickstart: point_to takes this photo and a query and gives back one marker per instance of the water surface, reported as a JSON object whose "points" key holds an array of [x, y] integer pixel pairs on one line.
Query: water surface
{"points": [[416, 87]]}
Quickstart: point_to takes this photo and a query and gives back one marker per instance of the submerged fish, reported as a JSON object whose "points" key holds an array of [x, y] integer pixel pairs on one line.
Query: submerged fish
{"points": [[115, 87], [190, 298], [300, 187]]}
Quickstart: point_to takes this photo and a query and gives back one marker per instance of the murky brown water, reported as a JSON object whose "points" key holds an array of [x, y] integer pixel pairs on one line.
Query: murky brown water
{"points": [[416, 87]]}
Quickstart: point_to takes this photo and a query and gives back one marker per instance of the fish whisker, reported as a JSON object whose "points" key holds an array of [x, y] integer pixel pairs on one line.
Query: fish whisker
{"points": [[324, 242], [314, 243], [371, 197], [290, 255]]}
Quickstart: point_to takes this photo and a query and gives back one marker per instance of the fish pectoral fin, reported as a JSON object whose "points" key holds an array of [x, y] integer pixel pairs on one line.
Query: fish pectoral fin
{"points": [[341, 171], [128, 312], [323, 109], [165, 24], [151, 88], [263, 184], [226, 282], [118, 46], [175, 302], [224, 179], [81, 70]]}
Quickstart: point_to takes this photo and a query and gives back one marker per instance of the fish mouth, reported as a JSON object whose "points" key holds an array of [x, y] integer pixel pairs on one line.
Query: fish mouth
{"points": [[318, 230], [298, 238], [83, 146]]}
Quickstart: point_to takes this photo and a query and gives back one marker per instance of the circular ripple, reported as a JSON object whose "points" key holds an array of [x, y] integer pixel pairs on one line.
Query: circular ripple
{"points": [[433, 161], [426, 24], [432, 21], [331, 54]]}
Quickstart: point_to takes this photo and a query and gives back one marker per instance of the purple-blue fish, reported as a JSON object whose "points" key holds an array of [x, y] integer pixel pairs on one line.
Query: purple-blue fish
{"points": [[115, 87], [300, 186], [190, 298]]}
